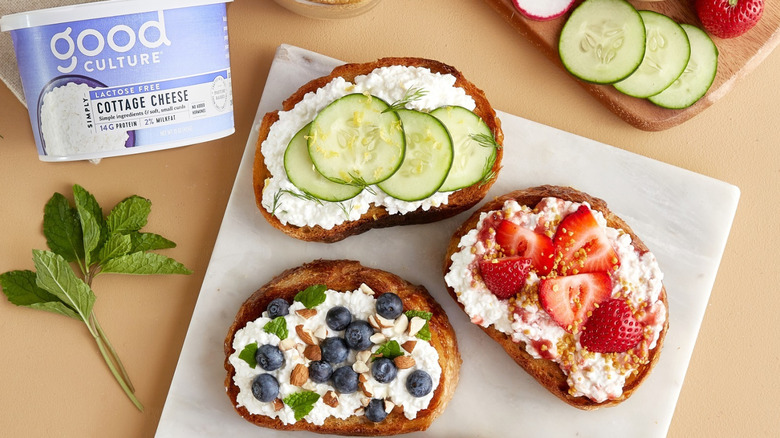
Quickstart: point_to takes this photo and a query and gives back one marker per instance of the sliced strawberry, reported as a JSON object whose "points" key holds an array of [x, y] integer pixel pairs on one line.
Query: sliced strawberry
{"points": [[520, 241], [569, 299], [582, 245], [505, 277], [611, 328]]}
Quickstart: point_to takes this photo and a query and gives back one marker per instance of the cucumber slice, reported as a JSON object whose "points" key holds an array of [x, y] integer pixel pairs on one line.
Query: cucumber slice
{"points": [[698, 75], [474, 145], [666, 55], [354, 141], [427, 160], [300, 170], [603, 41]]}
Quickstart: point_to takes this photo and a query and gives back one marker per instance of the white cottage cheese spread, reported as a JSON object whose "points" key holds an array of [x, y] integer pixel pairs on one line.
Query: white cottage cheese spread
{"points": [[389, 84], [362, 306], [595, 375]]}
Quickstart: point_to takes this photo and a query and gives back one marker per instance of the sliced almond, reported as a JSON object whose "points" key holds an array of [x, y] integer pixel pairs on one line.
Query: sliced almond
{"points": [[409, 345], [306, 335], [389, 406], [374, 323], [360, 367], [366, 289], [306, 313], [363, 356], [299, 375], [286, 344], [378, 338], [384, 322], [278, 405], [360, 412], [365, 401], [415, 325], [366, 388], [401, 324], [331, 399], [404, 362], [312, 352], [363, 377], [321, 333]]}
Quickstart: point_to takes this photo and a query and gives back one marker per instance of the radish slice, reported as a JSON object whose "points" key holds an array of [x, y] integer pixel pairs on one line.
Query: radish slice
{"points": [[542, 10]]}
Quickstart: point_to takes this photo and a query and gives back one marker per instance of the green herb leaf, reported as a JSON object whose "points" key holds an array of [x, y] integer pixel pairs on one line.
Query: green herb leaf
{"points": [[301, 403], [117, 245], [144, 263], [390, 350], [410, 96], [21, 290], [248, 354], [312, 296], [129, 215], [62, 228], [425, 331], [278, 327], [55, 275], [93, 225], [148, 242]]}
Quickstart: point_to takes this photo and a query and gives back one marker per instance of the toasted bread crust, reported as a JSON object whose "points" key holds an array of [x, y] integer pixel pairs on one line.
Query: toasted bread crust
{"points": [[346, 275], [376, 216], [547, 372]]}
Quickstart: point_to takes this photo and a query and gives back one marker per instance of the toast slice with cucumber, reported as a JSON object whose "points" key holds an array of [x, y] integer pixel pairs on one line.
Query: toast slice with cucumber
{"points": [[363, 162], [336, 410]]}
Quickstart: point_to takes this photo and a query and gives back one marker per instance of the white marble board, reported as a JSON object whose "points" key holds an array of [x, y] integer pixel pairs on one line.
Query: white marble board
{"points": [[683, 217]]}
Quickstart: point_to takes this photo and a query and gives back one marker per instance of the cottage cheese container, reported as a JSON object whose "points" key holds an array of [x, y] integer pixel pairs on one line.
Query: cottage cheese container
{"points": [[124, 76]]}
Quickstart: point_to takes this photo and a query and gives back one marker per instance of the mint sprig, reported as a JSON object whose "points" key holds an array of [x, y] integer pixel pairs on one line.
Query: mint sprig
{"points": [[312, 296], [301, 403], [248, 354], [96, 244], [278, 327], [390, 350]]}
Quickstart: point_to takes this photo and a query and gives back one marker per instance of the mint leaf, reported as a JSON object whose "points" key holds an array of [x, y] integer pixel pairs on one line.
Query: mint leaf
{"points": [[21, 290], [117, 245], [425, 332], [130, 214], [62, 228], [278, 327], [312, 296], [301, 403], [93, 225], [55, 275], [144, 263], [390, 350], [248, 354], [149, 242]]}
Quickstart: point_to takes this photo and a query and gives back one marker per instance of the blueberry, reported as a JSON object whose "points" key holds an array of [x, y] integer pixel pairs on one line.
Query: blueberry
{"points": [[358, 335], [375, 411], [389, 306], [419, 383], [334, 350], [320, 371], [278, 307], [265, 387], [384, 370], [338, 318], [345, 380], [269, 357]]}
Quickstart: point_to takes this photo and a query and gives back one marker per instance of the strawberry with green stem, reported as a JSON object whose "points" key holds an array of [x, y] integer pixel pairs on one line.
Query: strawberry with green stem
{"points": [[729, 18]]}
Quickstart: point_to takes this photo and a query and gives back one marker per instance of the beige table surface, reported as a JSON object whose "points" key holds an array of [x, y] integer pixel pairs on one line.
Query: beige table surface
{"points": [[54, 382]]}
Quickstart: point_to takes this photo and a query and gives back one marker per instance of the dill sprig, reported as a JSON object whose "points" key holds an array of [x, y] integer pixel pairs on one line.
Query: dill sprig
{"points": [[412, 94]]}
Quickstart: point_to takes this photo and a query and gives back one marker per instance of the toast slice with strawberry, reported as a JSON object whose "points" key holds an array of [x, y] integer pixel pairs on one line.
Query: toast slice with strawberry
{"points": [[335, 347], [566, 288]]}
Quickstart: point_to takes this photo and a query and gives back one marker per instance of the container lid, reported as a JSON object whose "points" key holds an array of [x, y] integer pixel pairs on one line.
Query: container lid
{"points": [[89, 11]]}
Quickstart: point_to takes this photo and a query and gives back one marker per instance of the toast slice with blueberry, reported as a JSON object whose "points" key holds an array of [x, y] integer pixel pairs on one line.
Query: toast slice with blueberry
{"points": [[338, 355]]}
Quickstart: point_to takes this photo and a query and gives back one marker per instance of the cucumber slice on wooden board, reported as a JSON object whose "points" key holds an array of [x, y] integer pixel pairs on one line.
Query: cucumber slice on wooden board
{"points": [[698, 75], [667, 51], [301, 172], [354, 140], [474, 145], [603, 41], [427, 160]]}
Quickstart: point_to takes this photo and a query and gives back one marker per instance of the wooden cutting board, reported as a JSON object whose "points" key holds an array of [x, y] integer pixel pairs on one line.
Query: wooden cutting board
{"points": [[738, 56]]}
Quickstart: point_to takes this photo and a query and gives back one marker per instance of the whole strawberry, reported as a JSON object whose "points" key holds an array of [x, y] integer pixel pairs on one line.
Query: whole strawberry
{"points": [[729, 18], [611, 328]]}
